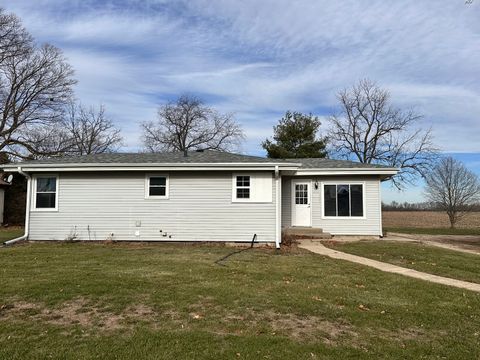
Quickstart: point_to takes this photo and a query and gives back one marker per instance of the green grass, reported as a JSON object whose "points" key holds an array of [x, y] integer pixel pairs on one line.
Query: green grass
{"points": [[119, 301], [433, 231], [10, 233], [417, 256]]}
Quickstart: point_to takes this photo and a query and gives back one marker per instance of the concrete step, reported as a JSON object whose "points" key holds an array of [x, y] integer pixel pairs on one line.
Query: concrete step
{"points": [[303, 230], [306, 233], [319, 237]]}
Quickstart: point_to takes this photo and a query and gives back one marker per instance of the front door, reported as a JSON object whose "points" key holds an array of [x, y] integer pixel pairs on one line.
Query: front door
{"points": [[301, 210]]}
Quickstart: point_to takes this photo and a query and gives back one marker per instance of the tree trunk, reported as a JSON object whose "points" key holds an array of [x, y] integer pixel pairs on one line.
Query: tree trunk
{"points": [[453, 220]]}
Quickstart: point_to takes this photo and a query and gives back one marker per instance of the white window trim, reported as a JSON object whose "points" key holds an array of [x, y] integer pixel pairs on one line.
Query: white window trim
{"points": [[147, 187], [234, 189], [34, 193], [364, 188]]}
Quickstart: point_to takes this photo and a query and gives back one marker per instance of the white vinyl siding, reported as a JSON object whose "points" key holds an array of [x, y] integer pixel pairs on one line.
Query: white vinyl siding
{"points": [[199, 208], [369, 224]]}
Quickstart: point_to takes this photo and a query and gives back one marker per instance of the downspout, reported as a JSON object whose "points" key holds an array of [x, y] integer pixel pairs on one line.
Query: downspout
{"points": [[27, 210], [278, 199], [380, 230]]}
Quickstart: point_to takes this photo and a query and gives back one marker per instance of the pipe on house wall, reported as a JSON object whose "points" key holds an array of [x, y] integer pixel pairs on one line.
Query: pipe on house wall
{"points": [[27, 210]]}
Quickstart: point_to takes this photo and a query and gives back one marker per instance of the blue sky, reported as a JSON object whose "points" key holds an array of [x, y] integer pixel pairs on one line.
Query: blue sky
{"points": [[260, 58]]}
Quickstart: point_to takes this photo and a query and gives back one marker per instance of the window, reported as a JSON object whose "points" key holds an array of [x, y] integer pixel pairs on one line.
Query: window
{"points": [[46, 192], [301, 194], [243, 187], [157, 186], [343, 200]]}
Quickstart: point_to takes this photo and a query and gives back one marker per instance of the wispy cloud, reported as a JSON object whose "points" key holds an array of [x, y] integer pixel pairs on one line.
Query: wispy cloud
{"points": [[260, 58]]}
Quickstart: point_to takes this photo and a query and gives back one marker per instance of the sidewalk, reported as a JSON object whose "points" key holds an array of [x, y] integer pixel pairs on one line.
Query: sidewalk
{"points": [[430, 240], [318, 248]]}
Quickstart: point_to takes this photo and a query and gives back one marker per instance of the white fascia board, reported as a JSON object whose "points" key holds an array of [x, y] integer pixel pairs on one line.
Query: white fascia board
{"points": [[150, 167], [347, 171]]}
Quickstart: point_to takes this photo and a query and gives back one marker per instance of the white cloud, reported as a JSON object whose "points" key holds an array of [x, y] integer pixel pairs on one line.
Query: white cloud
{"points": [[260, 58]]}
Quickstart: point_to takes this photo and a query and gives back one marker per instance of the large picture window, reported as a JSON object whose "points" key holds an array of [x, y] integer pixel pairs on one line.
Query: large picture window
{"points": [[343, 200], [46, 192]]}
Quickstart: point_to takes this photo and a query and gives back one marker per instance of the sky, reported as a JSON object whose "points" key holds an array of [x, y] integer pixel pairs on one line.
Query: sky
{"points": [[257, 59]]}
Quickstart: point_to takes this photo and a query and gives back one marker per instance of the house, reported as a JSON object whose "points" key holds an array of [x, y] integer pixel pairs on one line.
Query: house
{"points": [[198, 196]]}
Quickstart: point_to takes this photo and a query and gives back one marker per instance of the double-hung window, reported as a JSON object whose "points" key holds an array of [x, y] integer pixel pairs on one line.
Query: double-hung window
{"points": [[45, 188], [157, 186], [243, 186], [343, 200]]}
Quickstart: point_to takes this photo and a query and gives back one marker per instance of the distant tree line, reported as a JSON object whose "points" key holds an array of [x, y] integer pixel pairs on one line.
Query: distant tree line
{"points": [[420, 206]]}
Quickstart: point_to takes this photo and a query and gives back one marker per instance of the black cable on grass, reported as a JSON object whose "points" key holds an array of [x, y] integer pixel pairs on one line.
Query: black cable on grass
{"points": [[218, 262]]}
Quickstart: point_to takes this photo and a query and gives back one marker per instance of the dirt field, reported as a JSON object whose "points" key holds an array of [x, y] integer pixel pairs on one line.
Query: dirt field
{"points": [[426, 219]]}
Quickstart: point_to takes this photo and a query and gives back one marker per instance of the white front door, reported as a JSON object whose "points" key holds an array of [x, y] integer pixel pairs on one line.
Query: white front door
{"points": [[301, 200]]}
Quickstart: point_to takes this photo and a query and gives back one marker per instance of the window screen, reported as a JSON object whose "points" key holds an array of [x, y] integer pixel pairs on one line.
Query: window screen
{"points": [[157, 186], [356, 193], [330, 200], [343, 200], [46, 193]]}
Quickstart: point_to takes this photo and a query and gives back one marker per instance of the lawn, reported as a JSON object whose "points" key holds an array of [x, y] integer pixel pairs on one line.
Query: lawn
{"points": [[10, 233], [121, 301], [417, 256]]}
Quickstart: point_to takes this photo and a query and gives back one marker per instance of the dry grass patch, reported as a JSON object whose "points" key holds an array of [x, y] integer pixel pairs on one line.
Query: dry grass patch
{"points": [[78, 311], [93, 318], [427, 219]]}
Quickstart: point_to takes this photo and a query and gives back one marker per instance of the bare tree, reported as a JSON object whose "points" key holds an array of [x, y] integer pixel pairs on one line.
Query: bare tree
{"points": [[35, 84], [82, 131], [45, 141], [369, 129], [188, 124], [453, 188], [14, 38], [90, 131]]}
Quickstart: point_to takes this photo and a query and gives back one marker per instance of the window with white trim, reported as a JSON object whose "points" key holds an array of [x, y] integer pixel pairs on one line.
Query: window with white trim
{"points": [[343, 200], [157, 186], [242, 186], [46, 192]]}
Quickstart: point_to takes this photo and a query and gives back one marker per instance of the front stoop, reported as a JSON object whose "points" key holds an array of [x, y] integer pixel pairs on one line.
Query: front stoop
{"points": [[307, 233]]}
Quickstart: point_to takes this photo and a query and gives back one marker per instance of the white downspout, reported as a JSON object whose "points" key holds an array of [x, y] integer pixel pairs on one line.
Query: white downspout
{"points": [[278, 208], [27, 210], [380, 230]]}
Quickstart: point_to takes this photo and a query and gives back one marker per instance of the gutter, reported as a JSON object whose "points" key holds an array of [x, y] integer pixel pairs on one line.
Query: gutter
{"points": [[142, 166], [27, 210]]}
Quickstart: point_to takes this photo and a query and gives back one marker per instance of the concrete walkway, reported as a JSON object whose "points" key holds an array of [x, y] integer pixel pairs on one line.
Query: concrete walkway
{"points": [[318, 248], [430, 240]]}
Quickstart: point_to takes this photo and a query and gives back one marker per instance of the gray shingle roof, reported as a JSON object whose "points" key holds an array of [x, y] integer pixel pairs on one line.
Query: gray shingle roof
{"points": [[193, 157], [207, 156], [312, 163]]}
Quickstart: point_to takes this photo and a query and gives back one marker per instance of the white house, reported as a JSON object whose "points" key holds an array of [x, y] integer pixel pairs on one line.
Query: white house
{"points": [[203, 196]]}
